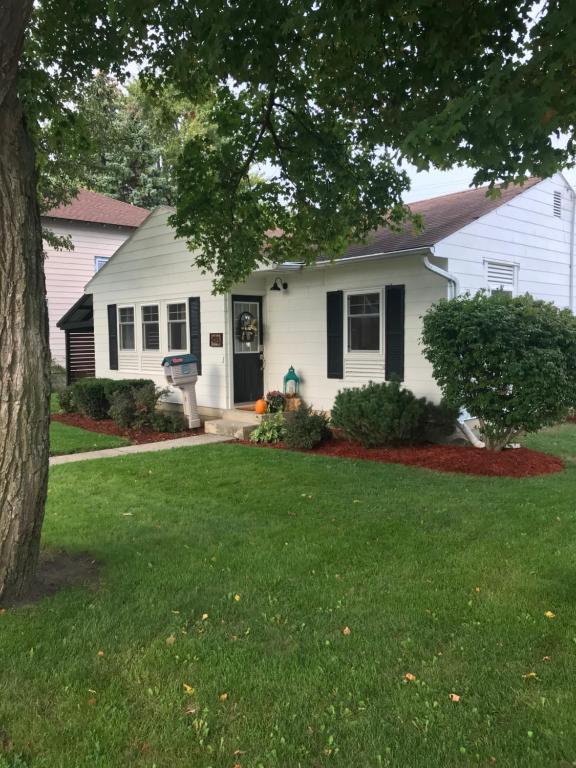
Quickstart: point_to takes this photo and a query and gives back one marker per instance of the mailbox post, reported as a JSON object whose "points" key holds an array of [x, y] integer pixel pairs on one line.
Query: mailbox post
{"points": [[182, 371]]}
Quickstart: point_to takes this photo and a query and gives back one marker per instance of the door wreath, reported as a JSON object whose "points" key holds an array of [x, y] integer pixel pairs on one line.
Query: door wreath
{"points": [[247, 327]]}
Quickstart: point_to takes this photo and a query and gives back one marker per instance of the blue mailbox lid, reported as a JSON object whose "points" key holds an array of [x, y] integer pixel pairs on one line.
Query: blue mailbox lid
{"points": [[179, 360]]}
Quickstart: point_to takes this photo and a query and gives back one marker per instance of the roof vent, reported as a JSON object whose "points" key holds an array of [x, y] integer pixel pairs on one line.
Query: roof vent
{"points": [[557, 205]]}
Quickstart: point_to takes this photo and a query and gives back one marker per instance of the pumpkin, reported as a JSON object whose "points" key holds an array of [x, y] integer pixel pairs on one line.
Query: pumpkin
{"points": [[261, 406]]}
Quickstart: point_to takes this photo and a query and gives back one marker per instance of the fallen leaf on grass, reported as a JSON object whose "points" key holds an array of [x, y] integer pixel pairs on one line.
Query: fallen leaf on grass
{"points": [[550, 615], [546, 658], [188, 689], [529, 675], [346, 631], [204, 616], [100, 653], [223, 697], [454, 697], [237, 598], [410, 677], [190, 710], [170, 640], [2, 610]]}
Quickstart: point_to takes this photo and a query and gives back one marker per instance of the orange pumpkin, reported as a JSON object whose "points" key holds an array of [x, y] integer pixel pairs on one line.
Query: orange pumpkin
{"points": [[261, 406]]}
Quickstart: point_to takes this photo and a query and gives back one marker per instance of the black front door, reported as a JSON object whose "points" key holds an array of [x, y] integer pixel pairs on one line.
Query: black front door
{"points": [[247, 350]]}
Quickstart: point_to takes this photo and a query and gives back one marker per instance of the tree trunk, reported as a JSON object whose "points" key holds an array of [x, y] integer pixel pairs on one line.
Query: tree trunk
{"points": [[24, 351]]}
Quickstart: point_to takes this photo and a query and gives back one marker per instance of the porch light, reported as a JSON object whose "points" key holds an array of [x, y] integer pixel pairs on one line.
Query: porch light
{"points": [[291, 382], [279, 285]]}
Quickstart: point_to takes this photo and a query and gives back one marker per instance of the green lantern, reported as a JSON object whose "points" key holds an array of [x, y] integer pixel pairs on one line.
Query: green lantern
{"points": [[291, 382]]}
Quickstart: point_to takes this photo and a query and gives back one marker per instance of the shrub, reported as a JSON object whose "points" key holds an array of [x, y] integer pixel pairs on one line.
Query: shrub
{"points": [[119, 385], [90, 397], [270, 430], [276, 401], [381, 414], [66, 400], [123, 408], [509, 361], [305, 429], [168, 421]]}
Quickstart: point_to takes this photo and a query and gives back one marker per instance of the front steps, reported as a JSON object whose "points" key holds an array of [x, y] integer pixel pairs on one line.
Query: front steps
{"points": [[234, 423]]}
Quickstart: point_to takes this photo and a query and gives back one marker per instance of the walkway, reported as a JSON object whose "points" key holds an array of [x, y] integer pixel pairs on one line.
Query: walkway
{"points": [[164, 445]]}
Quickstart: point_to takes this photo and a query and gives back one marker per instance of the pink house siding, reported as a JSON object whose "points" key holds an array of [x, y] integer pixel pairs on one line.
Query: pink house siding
{"points": [[67, 272]]}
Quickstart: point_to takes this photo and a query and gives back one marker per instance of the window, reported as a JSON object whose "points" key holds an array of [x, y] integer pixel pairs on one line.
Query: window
{"points": [[501, 277], [364, 322], [177, 327], [557, 204], [126, 328], [99, 262], [150, 327]]}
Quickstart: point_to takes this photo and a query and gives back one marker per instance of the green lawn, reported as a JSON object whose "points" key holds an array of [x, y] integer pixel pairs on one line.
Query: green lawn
{"points": [[66, 439], [235, 570]]}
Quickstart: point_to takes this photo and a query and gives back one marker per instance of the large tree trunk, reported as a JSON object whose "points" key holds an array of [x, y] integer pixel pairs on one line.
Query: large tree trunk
{"points": [[24, 352]]}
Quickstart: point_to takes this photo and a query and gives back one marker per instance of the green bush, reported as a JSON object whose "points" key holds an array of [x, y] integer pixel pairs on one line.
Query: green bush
{"points": [[169, 421], [381, 414], [305, 429], [270, 430], [66, 400], [90, 398], [509, 361], [123, 408], [120, 385]]}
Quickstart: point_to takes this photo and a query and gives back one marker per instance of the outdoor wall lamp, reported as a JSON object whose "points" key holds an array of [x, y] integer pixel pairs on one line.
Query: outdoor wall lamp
{"points": [[279, 285]]}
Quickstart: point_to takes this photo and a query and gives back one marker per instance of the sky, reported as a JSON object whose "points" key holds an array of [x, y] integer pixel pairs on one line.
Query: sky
{"points": [[435, 183]]}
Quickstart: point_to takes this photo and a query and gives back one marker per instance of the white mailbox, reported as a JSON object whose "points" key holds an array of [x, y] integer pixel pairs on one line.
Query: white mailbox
{"points": [[182, 371]]}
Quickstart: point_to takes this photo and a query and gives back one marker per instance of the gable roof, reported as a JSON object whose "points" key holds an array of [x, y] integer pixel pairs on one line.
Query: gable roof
{"points": [[99, 209], [442, 216]]}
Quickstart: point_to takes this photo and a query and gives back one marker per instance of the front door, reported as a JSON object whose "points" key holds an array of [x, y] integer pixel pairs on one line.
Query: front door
{"points": [[247, 349]]}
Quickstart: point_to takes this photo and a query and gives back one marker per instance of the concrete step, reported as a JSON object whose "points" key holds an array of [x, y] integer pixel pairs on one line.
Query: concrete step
{"points": [[241, 430], [236, 414]]}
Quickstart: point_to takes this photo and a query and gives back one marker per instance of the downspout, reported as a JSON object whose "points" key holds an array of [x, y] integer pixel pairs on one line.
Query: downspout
{"points": [[572, 246], [453, 291], [453, 282]]}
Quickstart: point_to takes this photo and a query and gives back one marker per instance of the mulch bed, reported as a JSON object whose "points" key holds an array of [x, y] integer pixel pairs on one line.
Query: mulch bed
{"points": [[109, 427], [514, 462]]}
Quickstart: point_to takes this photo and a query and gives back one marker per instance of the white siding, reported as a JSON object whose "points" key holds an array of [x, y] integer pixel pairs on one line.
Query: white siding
{"points": [[524, 232], [154, 268], [67, 272], [295, 327]]}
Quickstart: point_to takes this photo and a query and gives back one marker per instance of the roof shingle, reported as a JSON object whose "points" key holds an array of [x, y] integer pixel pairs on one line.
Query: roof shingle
{"points": [[99, 209], [442, 216]]}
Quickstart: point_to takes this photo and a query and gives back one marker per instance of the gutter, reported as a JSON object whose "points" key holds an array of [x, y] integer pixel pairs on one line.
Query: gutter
{"points": [[300, 265]]}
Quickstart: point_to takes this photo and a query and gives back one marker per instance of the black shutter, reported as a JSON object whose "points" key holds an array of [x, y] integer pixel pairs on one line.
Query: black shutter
{"points": [[195, 337], [113, 337], [335, 333], [394, 332]]}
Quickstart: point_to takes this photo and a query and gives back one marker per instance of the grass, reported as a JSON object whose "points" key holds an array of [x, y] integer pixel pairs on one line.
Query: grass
{"points": [[235, 571], [66, 439]]}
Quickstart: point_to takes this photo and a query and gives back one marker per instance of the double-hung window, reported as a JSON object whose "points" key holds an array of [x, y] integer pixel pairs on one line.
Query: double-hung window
{"points": [[126, 333], [150, 327], [177, 336], [364, 322]]}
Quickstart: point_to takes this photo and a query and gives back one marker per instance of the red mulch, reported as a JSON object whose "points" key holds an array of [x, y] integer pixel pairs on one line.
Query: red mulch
{"points": [[514, 462], [109, 427]]}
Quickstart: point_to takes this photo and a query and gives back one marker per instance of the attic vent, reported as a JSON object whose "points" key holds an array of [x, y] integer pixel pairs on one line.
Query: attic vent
{"points": [[557, 204], [501, 277]]}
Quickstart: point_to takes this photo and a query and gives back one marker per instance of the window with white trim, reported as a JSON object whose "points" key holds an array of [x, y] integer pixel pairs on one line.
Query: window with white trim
{"points": [[501, 276], [126, 334], [363, 311], [99, 262], [177, 335], [150, 327]]}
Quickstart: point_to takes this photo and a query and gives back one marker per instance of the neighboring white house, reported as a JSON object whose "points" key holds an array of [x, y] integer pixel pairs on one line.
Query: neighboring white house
{"points": [[97, 226], [340, 324]]}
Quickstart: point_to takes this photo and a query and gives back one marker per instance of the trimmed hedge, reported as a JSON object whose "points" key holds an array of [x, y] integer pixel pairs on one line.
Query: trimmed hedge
{"points": [[93, 397], [387, 414], [304, 428]]}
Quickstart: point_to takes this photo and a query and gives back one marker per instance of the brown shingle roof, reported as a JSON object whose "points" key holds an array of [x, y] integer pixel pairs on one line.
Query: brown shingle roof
{"points": [[442, 216], [99, 209]]}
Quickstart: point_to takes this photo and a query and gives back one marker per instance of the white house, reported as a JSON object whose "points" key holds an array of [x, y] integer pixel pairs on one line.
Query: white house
{"points": [[97, 225], [340, 324]]}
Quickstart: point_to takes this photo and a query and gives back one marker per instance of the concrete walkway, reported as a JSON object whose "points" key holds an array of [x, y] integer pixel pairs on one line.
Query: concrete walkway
{"points": [[163, 445]]}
